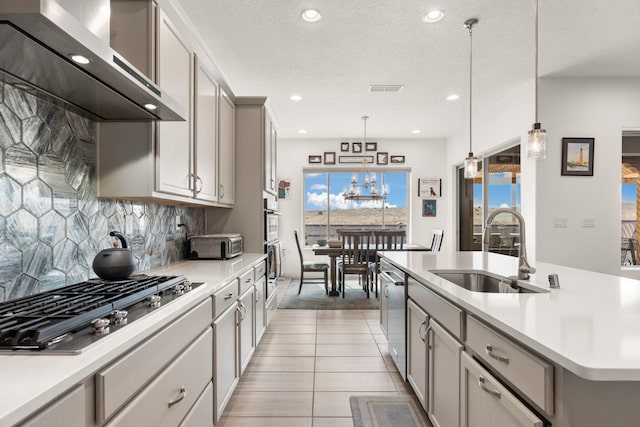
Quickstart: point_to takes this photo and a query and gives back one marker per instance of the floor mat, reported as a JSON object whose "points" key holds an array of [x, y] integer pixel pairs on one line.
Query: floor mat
{"points": [[379, 411], [313, 297]]}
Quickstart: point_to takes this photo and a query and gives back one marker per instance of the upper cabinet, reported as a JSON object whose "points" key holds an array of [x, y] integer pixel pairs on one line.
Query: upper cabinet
{"points": [[188, 162], [270, 147]]}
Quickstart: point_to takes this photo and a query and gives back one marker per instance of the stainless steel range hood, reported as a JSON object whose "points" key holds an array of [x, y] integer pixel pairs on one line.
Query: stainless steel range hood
{"points": [[38, 38]]}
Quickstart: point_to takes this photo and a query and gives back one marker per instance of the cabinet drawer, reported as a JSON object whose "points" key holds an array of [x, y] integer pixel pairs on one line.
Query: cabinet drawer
{"points": [[246, 281], [259, 271], [447, 314], [225, 297], [201, 415], [117, 383], [69, 411], [486, 402], [519, 366], [170, 396], [272, 305]]}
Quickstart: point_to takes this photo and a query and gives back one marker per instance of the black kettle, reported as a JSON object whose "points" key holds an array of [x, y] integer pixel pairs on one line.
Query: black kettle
{"points": [[115, 263]]}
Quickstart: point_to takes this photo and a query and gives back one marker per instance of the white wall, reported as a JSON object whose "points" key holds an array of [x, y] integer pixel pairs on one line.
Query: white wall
{"points": [[600, 109], [426, 158]]}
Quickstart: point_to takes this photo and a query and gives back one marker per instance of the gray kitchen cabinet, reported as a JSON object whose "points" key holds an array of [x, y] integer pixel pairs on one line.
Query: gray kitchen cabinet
{"points": [[225, 359], [201, 415], [443, 393], [68, 411], [246, 326], [226, 149], [206, 170], [384, 308], [168, 398], [417, 323], [485, 402], [271, 307], [174, 141], [260, 320], [270, 154]]}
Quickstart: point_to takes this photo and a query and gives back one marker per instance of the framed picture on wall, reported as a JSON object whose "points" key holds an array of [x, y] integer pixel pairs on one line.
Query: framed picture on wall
{"points": [[330, 158], [344, 146], [577, 156], [382, 158], [315, 159], [356, 147], [428, 207], [429, 187], [371, 146], [355, 159], [397, 159]]}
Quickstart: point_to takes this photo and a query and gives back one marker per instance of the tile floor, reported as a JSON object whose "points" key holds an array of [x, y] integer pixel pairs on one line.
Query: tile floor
{"points": [[307, 366]]}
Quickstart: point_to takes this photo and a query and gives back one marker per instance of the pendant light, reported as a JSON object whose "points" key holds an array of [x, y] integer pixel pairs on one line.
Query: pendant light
{"points": [[471, 162], [537, 140]]}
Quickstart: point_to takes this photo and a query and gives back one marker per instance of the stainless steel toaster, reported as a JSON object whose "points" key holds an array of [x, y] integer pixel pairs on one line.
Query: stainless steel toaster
{"points": [[215, 246]]}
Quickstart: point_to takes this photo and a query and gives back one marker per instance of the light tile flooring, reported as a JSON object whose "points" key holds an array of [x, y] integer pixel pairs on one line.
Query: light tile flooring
{"points": [[307, 366]]}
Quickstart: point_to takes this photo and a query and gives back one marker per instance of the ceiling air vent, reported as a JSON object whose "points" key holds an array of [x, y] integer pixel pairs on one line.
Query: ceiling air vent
{"points": [[385, 88]]}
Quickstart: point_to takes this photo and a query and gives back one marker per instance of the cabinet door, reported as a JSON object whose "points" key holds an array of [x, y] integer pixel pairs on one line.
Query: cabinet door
{"points": [[384, 308], [225, 359], [484, 402], [66, 412], [270, 135], [226, 149], [206, 122], [259, 309], [443, 376], [246, 326], [274, 159], [417, 351], [175, 76], [201, 414]]}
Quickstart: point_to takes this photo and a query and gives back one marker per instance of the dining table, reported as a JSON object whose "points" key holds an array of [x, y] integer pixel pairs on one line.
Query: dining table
{"points": [[334, 252]]}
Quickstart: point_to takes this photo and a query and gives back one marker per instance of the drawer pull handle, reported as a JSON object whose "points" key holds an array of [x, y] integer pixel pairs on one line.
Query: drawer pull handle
{"points": [[257, 295], [499, 358], [429, 345], [424, 323], [494, 393], [228, 296], [183, 394]]}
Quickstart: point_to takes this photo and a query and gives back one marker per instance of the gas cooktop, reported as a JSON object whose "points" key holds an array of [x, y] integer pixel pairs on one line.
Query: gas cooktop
{"points": [[70, 318]]}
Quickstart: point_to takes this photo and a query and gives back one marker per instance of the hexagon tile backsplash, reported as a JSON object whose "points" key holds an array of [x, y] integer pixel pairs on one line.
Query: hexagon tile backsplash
{"points": [[51, 223]]}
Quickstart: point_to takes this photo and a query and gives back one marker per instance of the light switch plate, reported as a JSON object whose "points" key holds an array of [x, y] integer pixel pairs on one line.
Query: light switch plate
{"points": [[178, 221], [128, 224], [560, 222]]}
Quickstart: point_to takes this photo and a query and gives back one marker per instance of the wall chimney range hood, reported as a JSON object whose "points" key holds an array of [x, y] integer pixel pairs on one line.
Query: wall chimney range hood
{"points": [[38, 39]]}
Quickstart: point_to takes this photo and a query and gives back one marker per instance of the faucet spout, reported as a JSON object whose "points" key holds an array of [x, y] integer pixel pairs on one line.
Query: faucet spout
{"points": [[524, 268]]}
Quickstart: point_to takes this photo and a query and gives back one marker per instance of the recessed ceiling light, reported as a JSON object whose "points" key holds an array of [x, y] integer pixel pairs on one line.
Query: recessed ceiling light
{"points": [[150, 106], [453, 97], [311, 15], [433, 16], [79, 59], [415, 131], [302, 131], [295, 97]]}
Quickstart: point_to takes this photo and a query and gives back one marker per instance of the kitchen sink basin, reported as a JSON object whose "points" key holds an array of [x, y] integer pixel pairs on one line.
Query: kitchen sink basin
{"points": [[482, 281]]}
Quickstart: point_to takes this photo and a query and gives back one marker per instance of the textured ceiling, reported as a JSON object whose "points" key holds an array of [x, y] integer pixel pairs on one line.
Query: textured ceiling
{"points": [[263, 48]]}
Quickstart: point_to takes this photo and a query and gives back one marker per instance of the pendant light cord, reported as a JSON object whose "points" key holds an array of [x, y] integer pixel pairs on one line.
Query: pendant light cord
{"points": [[469, 23], [536, 62]]}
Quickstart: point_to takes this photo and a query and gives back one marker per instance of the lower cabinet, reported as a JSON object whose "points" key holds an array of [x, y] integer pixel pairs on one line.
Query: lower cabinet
{"points": [[201, 415], [384, 308], [485, 402], [246, 325], [270, 308], [225, 359], [417, 322], [260, 320], [69, 411]]}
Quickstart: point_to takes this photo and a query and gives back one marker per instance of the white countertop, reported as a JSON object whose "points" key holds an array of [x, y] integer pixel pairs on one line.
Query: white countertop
{"points": [[31, 380], [590, 325]]}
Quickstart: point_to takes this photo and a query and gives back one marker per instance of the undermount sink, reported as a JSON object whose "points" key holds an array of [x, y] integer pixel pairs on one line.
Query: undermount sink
{"points": [[482, 281]]}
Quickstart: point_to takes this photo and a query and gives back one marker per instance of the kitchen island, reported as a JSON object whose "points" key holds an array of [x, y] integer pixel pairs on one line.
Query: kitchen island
{"points": [[585, 332], [33, 380]]}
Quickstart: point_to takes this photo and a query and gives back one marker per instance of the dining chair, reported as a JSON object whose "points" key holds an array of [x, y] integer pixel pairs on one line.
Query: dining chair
{"points": [[355, 257], [385, 240], [311, 267], [436, 239]]}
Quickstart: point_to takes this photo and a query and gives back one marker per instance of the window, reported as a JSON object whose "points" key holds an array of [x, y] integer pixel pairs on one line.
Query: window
{"points": [[497, 186], [326, 210], [630, 177]]}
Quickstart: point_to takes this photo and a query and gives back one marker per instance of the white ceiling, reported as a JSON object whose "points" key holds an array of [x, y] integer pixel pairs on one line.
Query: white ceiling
{"points": [[263, 48]]}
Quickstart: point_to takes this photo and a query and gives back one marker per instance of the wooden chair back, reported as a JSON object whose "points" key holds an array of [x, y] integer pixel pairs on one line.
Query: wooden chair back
{"points": [[389, 240], [436, 240]]}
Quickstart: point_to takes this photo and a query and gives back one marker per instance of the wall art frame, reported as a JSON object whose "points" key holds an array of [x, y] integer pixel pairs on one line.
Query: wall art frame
{"points": [[315, 158], [329, 158], [429, 187], [397, 159], [429, 207], [344, 147], [371, 146], [577, 156], [355, 159], [356, 147], [382, 158]]}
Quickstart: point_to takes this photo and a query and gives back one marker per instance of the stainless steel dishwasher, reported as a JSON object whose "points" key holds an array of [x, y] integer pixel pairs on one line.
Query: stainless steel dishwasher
{"points": [[392, 283]]}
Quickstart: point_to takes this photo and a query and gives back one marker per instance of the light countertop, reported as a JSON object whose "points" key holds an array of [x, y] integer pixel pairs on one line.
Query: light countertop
{"points": [[589, 326], [32, 380]]}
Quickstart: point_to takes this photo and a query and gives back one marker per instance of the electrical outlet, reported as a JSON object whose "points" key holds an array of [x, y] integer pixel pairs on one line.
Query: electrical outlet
{"points": [[128, 224], [178, 221]]}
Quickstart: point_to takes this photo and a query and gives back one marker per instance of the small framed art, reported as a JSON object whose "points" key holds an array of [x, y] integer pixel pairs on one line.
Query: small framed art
{"points": [[355, 159], [315, 159], [356, 147], [344, 147], [371, 146], [429, 187], [397, 159], [330, 158], [428, 207], [382, 158], [577, 156]]}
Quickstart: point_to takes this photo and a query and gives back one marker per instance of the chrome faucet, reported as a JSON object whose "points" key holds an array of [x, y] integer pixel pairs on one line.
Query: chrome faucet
{"points": [[523, 265]]}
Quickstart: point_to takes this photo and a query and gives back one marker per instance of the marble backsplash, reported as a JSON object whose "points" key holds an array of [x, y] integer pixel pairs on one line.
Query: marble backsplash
{"points": [[51, 222]]}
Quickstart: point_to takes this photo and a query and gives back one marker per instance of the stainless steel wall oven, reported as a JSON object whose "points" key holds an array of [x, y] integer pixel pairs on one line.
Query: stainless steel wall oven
{"points": [[272, 245]]}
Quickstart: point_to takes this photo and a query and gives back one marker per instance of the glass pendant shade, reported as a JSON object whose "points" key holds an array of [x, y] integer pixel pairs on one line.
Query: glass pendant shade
{"points": [[537, 143], [471, 166]]}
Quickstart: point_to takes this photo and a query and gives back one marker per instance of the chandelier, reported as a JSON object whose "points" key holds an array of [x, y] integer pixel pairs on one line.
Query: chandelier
{"points": [[368, 189]]}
